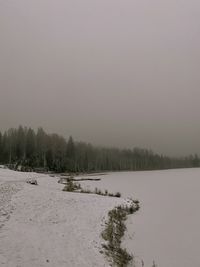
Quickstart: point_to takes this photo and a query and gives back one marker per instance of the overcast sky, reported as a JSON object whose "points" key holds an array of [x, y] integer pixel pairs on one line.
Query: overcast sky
{"points": [[121, 73]]}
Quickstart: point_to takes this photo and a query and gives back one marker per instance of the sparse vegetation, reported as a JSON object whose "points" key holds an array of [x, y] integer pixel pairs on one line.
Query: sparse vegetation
{"points": [[114, 231], [115, 226], [87, 191], [72, 186], [118, 194]]}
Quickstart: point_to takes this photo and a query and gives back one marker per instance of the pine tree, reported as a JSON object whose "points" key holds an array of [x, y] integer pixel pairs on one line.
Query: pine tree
{"points": [[30, 147]]}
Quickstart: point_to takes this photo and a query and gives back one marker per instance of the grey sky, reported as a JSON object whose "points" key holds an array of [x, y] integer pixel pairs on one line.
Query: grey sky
{"points": [[120, 73]]}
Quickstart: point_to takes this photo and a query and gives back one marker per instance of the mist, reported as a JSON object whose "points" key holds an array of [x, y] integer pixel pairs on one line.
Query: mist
{"points": [[113, 73]]}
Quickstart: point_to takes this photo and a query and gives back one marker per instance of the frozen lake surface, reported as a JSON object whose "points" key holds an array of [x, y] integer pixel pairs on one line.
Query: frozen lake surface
{"points": [[166, 229]]}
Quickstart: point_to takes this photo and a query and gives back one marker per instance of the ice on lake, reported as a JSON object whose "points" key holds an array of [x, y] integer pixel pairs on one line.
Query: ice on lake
{"points": [[166, 229]]}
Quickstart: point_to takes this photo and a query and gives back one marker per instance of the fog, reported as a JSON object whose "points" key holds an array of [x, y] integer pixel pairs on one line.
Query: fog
{"points": [[115, 73]]}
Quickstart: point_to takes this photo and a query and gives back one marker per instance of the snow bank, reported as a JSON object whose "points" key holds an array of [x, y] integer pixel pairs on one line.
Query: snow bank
{"points": [[48, 227]]}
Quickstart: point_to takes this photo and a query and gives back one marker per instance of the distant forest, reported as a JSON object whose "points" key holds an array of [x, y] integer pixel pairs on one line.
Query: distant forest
{"points": [[26, 149]]}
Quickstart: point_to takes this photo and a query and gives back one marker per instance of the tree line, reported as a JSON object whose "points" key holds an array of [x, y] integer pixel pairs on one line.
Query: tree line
{"points": [[28, 149]]}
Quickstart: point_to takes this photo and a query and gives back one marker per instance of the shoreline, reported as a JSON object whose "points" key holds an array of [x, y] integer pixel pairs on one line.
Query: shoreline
{"points": [[49, 227]]}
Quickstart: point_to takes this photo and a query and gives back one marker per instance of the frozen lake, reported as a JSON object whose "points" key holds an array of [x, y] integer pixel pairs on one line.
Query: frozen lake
{"points": [[166, 229]]}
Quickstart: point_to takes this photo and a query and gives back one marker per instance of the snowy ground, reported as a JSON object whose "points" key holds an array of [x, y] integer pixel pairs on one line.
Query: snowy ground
{"points": [[43, 226]]}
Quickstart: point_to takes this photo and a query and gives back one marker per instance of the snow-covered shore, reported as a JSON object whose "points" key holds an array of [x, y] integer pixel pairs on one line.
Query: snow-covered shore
{"points": [[44, 226]]}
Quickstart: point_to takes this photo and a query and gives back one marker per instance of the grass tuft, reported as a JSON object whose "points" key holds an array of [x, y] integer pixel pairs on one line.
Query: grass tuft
{"points": [[113, 233], [72, 186]]}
